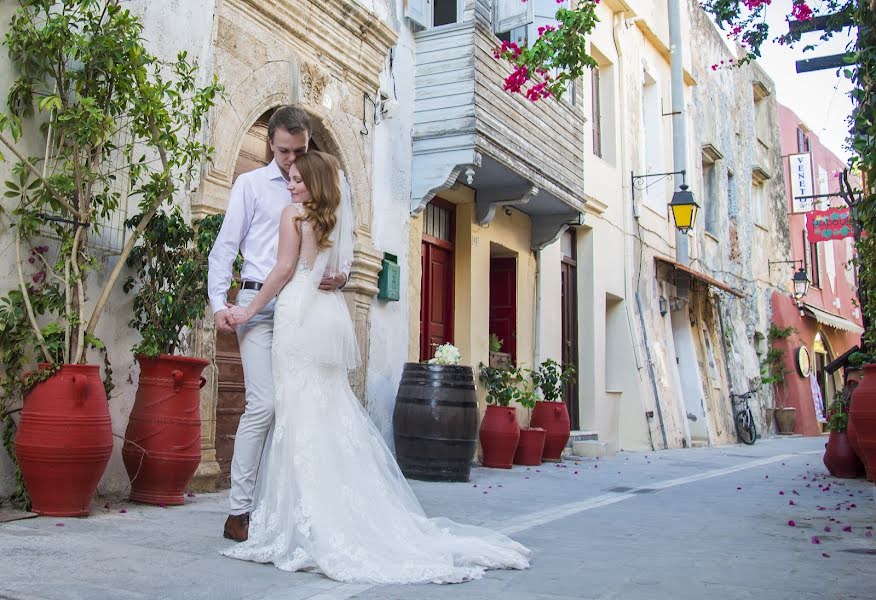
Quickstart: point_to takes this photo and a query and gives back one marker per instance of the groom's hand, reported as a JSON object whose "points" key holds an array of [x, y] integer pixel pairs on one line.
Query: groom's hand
{"points": [[330, 284], [223, 321]]}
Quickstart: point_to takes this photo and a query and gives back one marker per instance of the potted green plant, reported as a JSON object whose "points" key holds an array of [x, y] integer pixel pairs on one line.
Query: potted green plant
{"points": [[162, 448], [120, 126], [498, 359], [773, 372], [435, 418], [550, 412], [530, 446], [499, 430], [840, 458]]}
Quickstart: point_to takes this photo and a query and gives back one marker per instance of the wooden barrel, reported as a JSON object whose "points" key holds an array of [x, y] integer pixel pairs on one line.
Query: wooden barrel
{"points": [[435, 422]]}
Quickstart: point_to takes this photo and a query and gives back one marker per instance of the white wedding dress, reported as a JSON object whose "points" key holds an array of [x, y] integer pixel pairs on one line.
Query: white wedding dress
{"points": [[330, 497]]}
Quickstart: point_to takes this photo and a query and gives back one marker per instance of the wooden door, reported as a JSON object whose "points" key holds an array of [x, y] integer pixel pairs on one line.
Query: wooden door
{"points": [[503, 303], [255, 152], [436, 284], [569, 312]]}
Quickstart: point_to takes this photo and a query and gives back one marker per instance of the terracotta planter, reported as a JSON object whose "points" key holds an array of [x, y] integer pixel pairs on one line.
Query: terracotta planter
{"points": [[852, 435], [64, 441], [553, 417], [162, 447], [786, 418], [499, 435], [863, 414], [840, 459], [530, 446]]}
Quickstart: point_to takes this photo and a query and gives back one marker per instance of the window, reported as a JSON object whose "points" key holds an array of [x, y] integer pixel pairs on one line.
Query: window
{"points": [[759, 199], [596, 113], [811, 261], [433, 13], [652, 152], [802, 141], [762, 127], [710, 197], [444, 12]]}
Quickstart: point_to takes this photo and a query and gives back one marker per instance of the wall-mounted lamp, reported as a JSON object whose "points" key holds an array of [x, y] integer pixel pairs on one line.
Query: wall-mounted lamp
{"points": [[800, 280], [684, 206], [664, 306]]}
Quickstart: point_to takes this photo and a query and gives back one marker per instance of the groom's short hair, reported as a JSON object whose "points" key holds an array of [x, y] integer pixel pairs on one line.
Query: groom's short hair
{"points": [[290, 118]]}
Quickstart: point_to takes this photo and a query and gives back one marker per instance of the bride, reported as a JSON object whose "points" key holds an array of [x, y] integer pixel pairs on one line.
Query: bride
{"points": [[330, 497]]}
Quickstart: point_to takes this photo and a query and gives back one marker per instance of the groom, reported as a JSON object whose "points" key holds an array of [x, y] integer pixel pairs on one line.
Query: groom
{"points": [[251, 226]]}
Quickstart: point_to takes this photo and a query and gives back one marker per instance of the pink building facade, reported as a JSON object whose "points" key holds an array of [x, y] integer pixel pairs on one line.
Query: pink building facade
{"points": [[827, 318]]}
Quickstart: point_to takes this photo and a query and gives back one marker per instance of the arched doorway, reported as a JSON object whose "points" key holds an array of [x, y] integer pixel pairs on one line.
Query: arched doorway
{"points": [[822, 356]]}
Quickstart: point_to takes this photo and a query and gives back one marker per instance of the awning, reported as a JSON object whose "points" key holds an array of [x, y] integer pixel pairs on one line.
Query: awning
{"points": [[832, 320], [686, 271]]}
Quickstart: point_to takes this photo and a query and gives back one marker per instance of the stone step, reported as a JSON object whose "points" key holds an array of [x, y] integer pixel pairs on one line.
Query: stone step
{"points": [[594, 449]]}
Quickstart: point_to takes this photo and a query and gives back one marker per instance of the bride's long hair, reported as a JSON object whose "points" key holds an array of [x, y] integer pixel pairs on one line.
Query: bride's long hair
{"points": [[320, 173]]}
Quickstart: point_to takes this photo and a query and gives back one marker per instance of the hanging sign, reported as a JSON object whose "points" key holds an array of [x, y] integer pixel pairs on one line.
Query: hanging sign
{"points": [[801, 182], [827, 225]]}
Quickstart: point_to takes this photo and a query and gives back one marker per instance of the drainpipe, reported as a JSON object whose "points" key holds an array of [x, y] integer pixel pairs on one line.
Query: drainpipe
{"points": [[537, 308], [679, 114]]}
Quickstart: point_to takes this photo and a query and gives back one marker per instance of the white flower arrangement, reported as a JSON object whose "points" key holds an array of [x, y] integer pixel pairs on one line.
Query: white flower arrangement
{"points": [[446, 354]]}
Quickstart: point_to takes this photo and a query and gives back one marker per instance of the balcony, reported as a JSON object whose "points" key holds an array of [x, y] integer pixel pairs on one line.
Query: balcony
{"points": [[510, 150]]}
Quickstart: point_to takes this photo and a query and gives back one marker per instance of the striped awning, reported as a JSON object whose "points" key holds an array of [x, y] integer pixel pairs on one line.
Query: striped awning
{"points": [[832, 320]]}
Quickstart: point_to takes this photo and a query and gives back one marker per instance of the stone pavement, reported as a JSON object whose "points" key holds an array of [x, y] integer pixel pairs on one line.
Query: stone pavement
{"points": [[733, 522]]}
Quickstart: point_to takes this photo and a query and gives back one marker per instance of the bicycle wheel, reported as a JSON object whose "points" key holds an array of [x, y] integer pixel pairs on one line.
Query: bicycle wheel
{"points": [[745, 428]]}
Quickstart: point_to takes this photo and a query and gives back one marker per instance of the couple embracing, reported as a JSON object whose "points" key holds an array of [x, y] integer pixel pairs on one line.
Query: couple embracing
{"points": [[313, 485]]}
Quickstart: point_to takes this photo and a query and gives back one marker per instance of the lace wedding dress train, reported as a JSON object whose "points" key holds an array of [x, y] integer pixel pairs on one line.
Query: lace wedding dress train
{"points": [[330, 497]]}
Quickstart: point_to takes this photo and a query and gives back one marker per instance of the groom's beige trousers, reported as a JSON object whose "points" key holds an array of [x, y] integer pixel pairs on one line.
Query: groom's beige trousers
{"points": [[255, 338]]}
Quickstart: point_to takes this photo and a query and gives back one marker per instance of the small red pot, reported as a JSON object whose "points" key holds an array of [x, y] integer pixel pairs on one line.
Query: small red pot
{"points": [[530, 446], [840, 459], [553, 417], [499, 435]]}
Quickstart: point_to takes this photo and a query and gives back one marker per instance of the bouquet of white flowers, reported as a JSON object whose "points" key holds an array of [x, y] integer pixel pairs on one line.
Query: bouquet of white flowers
{"points": [[446, 354]]}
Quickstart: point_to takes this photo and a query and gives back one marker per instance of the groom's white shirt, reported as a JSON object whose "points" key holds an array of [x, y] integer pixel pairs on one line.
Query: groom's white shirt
{"points": [[251, 224]]}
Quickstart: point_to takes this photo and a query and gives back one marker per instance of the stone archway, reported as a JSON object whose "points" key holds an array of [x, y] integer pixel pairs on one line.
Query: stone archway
{"points": [[335, 131]]}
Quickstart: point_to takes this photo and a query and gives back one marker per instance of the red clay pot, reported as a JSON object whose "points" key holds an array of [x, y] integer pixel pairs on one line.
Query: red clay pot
{"points": [[839, 457], [165, 422], [530, 446], [553, 417], [863, 415], [499, 435], [64, 441], [852, 435]]}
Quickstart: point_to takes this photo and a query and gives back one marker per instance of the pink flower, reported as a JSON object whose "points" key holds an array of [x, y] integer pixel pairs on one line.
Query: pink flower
{"points": [[781, 493], [123, 510], [791, 523]]}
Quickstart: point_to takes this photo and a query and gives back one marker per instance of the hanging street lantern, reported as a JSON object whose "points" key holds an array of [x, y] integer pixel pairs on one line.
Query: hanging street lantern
{"points": [[684, 209]]}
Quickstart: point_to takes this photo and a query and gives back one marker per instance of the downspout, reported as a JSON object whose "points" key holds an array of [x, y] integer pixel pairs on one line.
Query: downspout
{"points": [[538, 286], [679, 114]]}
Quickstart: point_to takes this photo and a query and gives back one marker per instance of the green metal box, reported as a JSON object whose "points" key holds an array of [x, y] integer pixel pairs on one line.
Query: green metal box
{"points": [[389, 281]]}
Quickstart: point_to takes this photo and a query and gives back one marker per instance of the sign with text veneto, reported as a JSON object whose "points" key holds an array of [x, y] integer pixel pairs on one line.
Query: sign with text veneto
{"points": [[828, 225], [801, 182]]}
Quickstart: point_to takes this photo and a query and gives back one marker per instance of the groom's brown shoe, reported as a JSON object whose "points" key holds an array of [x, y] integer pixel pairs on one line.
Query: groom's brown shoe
{"points": [[237, 527]]}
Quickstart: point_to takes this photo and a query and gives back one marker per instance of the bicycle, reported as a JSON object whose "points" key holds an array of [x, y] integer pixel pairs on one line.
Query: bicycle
{"points": [[744, 419]]}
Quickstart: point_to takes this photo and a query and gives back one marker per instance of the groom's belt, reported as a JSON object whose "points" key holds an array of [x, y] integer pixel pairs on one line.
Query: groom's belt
{"points": [[251, 285]]}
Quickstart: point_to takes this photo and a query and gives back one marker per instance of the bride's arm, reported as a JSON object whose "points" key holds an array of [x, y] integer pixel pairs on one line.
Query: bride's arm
{"points": [[288, 248]]}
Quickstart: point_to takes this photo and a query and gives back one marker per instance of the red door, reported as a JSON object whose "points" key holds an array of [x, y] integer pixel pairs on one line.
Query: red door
{"points": [[436, 286], [569, 295], [503, 303]]}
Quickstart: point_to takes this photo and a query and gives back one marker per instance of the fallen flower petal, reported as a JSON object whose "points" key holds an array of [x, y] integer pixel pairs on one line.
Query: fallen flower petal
{"points": [[781, 493], [792, 503], [825, 555], [791, 523], [815, 539], [826, 529], [59, 524], [847, 528]]}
